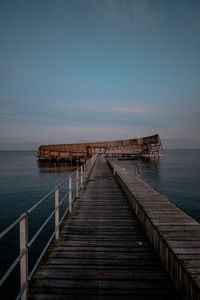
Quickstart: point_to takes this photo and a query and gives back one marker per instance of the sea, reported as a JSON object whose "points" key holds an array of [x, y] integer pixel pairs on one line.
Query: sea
{"points": [[176, 175], [24, 180]]}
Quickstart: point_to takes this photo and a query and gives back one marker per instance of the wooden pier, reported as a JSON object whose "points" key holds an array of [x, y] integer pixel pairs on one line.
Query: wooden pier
{"points": [[103, 252], [117, 238]]}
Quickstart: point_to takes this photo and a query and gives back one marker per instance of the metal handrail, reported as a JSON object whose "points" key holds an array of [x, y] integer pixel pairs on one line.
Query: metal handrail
{"points": [[9, 228], [84, 171], [50, 193], [11, 268], [41, 256], [41, 228], [135, 169]]}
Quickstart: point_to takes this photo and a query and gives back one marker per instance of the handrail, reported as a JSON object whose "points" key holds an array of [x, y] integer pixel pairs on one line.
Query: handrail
{"points": [[80, 178], [9, 228], [11, 268], [135, 169], [50, 193]]}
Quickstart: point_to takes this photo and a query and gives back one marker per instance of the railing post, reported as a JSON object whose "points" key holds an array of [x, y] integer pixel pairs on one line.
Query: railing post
{"points": [[86, 169], [81, 177], [89, 165], [84, 173], [23, 231], [57, 214], [77, 183], [70, 194]]}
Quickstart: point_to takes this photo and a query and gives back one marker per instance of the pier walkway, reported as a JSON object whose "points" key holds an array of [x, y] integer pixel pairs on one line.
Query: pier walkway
{"points": [[103, 252]]}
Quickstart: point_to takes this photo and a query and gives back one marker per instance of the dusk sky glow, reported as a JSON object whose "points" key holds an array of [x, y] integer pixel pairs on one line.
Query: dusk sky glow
{"points": [[89, 70]]}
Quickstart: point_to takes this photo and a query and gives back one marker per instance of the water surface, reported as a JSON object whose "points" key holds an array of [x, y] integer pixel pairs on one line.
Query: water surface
{"points": [[176, 176]]}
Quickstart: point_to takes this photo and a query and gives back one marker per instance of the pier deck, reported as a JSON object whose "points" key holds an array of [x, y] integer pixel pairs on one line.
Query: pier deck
{"points": [[103, 252]]}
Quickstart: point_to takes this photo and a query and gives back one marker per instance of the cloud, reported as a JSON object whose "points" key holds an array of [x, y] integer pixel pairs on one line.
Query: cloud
{"points": [[46, 122], [68, 113], [137, 109], [76, 114], [31, 136], [50, 134]]}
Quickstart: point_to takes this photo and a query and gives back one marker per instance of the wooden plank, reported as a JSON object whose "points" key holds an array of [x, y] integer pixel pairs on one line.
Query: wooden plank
{"points": [[97, 297], [134, 248], [107, 256], [99, 274], [105, 244], [102, 284], [134, 268], [185, 244], [138, 261], [95, 292]]}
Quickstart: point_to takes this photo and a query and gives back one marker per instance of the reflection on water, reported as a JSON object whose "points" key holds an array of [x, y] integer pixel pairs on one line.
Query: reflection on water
{"points": [[150, 168], [46, 166]]}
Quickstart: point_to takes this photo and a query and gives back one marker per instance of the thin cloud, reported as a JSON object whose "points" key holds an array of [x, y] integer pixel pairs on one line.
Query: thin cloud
{"points": [[138, 110]]}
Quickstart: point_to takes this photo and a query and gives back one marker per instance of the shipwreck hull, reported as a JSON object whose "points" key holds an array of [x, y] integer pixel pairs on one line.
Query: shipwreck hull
{"points": [[147, 146]]}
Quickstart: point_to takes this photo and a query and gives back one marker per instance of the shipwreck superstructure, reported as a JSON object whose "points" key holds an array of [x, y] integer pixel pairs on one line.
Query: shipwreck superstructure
{"points": [[145, 146]]}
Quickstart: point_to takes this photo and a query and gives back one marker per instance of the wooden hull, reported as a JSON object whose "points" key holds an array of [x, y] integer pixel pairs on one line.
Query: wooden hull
{"points": [[150, 145]]}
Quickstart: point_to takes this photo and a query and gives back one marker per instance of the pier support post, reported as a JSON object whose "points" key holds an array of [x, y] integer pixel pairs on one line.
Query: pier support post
{"points": [[23, 229], [70, 194], [81, 177], [86, 168], [57, 214], [84, 173], [77, 183]]}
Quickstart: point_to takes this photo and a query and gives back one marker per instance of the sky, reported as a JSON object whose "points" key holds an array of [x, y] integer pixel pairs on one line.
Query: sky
{"points": [[95, 70]]}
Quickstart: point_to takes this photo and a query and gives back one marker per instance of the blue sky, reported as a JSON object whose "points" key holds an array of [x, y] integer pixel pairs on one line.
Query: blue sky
{"points": [[88, 70]]}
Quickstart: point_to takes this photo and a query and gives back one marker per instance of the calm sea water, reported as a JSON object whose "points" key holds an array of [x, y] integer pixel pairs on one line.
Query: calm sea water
{"points": [[24, 181], [176, 176]]}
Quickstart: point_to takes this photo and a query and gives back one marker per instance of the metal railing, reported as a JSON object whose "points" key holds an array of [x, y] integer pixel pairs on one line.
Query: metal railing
{"points": [[75, 182], [135, 169]]}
